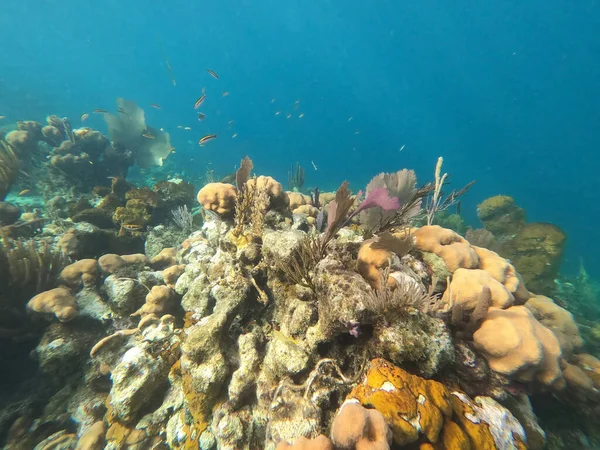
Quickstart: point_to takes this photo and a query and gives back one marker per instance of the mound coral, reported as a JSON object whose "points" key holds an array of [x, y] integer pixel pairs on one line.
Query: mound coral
{"points": [[517, 345], [536, 251], [277, 195], [219, 198], [58, 301], [501, 215], [448, 245]]}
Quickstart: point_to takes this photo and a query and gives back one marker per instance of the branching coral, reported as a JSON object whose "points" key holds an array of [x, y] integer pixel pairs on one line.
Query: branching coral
{"points": [[9, 166], [296, 178], [26, 268], [389, 301], [438, 201]]}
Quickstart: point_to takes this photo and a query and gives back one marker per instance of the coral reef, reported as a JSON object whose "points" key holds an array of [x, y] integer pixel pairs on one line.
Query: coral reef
{"points": [[264, 329]]}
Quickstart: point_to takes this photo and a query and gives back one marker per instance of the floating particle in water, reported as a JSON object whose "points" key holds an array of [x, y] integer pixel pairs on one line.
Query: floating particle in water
{"points": [[350, 119], [272, 100], [225, 93]]}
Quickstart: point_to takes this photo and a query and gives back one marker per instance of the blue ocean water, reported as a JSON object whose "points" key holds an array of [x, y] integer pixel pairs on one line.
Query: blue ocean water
{"points": [[507, 92]]}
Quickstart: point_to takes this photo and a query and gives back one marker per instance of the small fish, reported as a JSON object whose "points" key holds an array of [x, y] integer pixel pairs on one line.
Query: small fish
{"points": [[2, 117], [288, 116], [357, 132], [208, 137], [154, 105], [204, 89], [230, 123], [132, 227], [201, 116], [84, 117], [225, 94], [402, 148], [187, 128], [24, 192], [234, 135], [199, 101], [162, 129], [301, 116], [147, 135], [100, 111], [277, 113], [283, 338], [350, 119], [213, 74], [179, 126], [170, 72], [297, 104], [272, 100], [91, 163], [314, 165]]}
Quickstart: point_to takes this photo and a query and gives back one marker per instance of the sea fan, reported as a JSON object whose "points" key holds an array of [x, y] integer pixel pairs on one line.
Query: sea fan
{"points": [[401, 186]]}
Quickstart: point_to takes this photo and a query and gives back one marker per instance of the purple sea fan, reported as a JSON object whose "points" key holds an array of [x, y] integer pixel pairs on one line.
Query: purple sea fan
{"points": [[377, 197], [400, 186]]}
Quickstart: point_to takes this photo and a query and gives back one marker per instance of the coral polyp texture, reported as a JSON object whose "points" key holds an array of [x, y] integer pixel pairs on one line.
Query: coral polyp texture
{"points": [[274, 322]]}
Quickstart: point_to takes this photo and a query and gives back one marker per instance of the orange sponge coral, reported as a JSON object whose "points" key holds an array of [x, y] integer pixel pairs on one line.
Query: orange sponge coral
{"points": [[58, 301], [517, 345], [218, 197]]}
